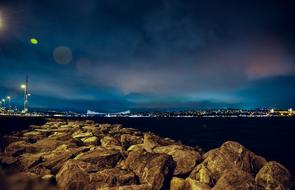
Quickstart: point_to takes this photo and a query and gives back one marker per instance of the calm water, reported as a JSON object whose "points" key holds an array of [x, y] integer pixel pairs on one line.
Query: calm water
{"points": [[270, 137]]}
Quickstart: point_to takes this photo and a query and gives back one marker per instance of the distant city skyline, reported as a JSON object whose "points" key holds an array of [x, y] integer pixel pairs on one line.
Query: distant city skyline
{"points": [[148, 55]]}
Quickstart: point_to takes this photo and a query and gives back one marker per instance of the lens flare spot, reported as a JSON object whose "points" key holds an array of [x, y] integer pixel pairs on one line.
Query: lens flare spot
{"points": [[34, 41], [62, 55]]}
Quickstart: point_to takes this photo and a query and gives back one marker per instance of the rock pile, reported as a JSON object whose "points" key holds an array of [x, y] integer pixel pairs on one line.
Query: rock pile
{"points": [[83, 155]]}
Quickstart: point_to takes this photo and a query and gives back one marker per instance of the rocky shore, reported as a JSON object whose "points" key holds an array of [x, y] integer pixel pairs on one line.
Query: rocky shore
{"points": [[83, 155]]}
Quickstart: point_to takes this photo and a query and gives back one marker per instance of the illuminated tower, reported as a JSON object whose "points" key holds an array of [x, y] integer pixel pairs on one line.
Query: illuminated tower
{"points": [[25, 87]]}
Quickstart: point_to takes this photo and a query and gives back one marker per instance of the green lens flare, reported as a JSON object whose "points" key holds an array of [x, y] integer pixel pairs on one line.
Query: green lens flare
{"points": [[34, 41]]}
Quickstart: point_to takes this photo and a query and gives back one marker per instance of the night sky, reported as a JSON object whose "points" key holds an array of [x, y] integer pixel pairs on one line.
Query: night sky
{"points": [[113, 55]]}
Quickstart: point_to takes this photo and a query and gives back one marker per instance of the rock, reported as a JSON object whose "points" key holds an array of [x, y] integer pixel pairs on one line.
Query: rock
{"points": [[128, 140], [187, 184], [110, 142], [92, 128], [131, 131], [7, 160], [115, 129], [72, 176], [236, 180], [40, 170], [29, 160], [178, 184], [22, 177], [242, 157], [55, 159], [202, 174], [17, 148], [196, 185], [26, 181], [90, 141], [152, 168], [35, 127], [129, 187], [136, 147], [104, 128], [151, 141], [185, 157], [81, 134], [230, 156], [274, 176], [8, 139], [111, 177], [45, 145], [49, 178], [62, 136], [102, 157], [34, 134]]}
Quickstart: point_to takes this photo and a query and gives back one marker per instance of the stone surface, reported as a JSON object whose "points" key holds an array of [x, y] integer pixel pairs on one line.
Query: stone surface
{"points": [[177, 183], [90, 141], [151, 141], [102, 157], [185, 157], [110, 142], [28, 160], [128, 140], [56, 158], [236, 180], [274, 176], [72, 176], [230, 156], [111, 177], [202, 174], [187, 184], [152, 168]]}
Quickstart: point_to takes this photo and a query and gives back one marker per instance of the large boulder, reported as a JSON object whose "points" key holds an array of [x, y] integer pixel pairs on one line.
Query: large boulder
{"points": [[202, 174], [104, 128], [230, 156], [73, 176], [17, 148], [110, 142], [128, 140], [110, 178], [29, 160], [236, 180], [56, 158], [151, 141], [151, 168], [274, 176], [47, 144], [82, 134], [90, 141], [185, 157], [102, 157]]}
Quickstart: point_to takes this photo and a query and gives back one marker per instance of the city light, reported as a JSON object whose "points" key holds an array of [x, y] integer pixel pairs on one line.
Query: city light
{"points": [[26, 95], [9, 101], [1, 21]]}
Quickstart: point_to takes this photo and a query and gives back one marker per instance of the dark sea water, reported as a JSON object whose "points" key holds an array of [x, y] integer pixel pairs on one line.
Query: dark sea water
{"points": [[272, 138]]}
